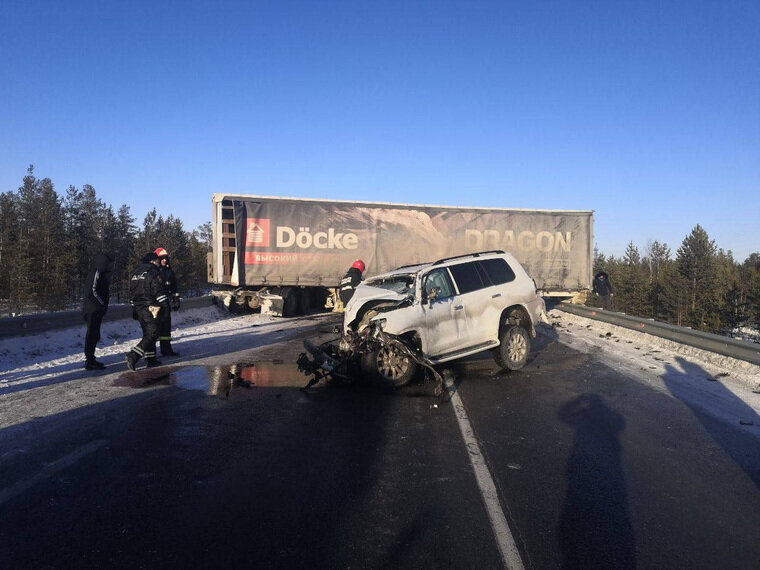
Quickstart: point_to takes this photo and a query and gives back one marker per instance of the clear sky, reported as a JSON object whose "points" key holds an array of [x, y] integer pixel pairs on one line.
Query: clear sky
{"points": [[646, 112]]}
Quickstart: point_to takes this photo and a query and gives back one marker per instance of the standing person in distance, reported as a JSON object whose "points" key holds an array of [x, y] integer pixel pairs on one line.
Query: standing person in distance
{"points": [[603, 288], [350, 280], [170, 282], [96, 296], [147, 294]]}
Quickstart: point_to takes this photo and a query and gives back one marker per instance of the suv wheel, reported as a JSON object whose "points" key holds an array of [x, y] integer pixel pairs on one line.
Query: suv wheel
{"points": [[389, 365], [513, 351]]}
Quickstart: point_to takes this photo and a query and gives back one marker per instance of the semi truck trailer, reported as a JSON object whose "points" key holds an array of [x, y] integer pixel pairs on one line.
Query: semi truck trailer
{"points": [[288, 255]]}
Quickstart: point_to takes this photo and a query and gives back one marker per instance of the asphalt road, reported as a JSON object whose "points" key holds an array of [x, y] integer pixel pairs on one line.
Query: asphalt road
{"points": [[592, 469]]}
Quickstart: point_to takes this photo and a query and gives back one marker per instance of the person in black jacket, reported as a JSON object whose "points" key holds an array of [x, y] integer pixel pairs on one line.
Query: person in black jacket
{"points": [[170, 282], [350, 280], [603, 288], [148, 296], [96, 296]]}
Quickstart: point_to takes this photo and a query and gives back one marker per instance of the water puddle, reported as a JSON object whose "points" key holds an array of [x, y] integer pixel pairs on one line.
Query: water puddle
{"points": [[217, 380]]}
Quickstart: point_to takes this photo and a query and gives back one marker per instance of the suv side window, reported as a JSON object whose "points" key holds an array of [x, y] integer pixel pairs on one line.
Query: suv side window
{"points": [[467, 277], [498, 270], [439, 279]]}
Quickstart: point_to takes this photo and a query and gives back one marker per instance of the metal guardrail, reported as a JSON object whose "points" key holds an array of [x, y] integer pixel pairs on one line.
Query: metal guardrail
{"points": [[706, 341], [42, 322]]}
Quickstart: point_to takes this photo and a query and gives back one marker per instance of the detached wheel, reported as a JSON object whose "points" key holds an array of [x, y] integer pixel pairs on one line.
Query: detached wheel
{"points": [[389, 366], [513, 351]]}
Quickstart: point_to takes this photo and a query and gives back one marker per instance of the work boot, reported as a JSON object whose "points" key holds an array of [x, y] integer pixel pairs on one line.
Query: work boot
{"points": [[94, 365], [167, 350], [131, 357], [153, 362]]}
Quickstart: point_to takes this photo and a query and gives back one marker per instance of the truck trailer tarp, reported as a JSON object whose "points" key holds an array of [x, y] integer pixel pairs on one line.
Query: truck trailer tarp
{"points": [[288, 241]]}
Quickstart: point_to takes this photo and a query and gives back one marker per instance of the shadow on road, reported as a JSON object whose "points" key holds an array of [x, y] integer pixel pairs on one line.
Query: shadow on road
{"points": [[742, 447], [594, 529]]}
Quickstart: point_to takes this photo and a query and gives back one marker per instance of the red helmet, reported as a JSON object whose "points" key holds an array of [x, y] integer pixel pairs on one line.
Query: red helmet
{"points": [[359, 264], [161, 252]]}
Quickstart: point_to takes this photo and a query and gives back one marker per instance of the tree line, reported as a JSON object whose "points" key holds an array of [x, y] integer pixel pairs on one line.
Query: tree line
{"points": [[48, 240], [701, 286]]}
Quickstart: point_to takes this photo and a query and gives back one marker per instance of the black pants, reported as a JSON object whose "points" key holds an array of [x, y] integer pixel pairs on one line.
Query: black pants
{"points": [[607, 302], [345, 295], [91, 338], [165, 327], [147, 345]]}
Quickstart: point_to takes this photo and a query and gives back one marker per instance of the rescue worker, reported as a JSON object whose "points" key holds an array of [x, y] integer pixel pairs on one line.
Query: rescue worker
{"points": [[350, 280], [603, 288], [96, 296], [170, 282], [148, 296]]}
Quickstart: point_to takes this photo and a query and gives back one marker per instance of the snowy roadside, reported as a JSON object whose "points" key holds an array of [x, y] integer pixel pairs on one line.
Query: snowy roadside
{"points": [[40, 356], [43, 374], [719, 385]]}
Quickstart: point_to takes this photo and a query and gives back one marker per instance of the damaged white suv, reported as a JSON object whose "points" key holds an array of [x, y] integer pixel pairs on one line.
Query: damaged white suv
{"points": [[435, 312]]}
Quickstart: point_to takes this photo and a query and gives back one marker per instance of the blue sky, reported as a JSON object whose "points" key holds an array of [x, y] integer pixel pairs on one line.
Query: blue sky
{"points": [[646, 112]]}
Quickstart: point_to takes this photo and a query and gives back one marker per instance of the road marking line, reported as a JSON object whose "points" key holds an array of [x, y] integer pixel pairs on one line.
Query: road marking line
{"points": [[50, 469], [502, 534]]}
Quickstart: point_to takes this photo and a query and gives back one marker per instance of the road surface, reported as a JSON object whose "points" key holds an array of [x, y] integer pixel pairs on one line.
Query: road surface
{"points": [[591, 468]]}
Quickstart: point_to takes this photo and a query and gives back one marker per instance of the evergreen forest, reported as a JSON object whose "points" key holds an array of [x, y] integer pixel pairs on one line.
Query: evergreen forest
{"points": [[700, 286], [47, 242]]}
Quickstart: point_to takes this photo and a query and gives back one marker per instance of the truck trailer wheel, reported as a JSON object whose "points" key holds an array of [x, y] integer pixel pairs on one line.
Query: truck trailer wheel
{"points": [[304, 301], [388, 366], [289, 301], [512, 352]]}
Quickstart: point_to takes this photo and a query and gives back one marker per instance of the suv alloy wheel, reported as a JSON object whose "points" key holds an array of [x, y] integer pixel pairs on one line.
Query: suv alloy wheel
{"points": [[514, 347]]}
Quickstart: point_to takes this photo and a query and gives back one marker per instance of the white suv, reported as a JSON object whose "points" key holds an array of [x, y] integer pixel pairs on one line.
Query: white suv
{"points": [[435, 312]]}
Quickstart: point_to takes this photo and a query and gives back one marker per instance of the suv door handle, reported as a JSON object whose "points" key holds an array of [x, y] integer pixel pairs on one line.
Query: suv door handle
{"points": [[496, 295], [458, 307]]}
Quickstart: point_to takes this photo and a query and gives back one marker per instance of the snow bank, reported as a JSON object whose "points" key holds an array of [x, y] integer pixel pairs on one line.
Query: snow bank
{"points": [[40, 356], [724, 387]]}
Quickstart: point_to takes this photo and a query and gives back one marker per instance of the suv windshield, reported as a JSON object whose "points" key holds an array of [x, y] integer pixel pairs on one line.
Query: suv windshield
{"points": [[403, 284]]}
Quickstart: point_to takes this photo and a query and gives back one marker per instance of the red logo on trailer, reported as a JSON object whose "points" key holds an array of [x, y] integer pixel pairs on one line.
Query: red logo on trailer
{"points": [[257, 233]]}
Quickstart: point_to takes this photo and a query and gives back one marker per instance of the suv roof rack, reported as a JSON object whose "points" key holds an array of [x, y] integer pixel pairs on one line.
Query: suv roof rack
{"points": [[412, 265], [478, 254]]}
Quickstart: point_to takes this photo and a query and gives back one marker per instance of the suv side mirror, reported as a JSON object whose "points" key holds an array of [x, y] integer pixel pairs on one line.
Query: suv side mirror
{"points": [[433, 294]]}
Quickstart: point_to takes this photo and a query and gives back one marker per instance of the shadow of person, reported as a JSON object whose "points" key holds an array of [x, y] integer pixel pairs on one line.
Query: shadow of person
{"points": [[719, 411], [594, 528]]}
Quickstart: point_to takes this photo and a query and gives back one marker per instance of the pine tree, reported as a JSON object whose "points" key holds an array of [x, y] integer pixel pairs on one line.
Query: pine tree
{"points": [[9, 235], [657, 255], [50, 261], [750, 271], [631, 286], [696, 264], [84, 214], [124, 252]]}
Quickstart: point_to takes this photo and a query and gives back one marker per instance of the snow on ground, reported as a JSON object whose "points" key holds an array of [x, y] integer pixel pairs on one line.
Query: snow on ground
{"points": [[42, 375], [721, 386], [36, 357]]}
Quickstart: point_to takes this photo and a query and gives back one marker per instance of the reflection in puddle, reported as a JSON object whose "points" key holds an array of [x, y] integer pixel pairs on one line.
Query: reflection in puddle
{"points": [[217, 380]]}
